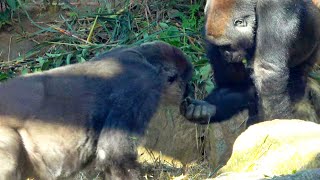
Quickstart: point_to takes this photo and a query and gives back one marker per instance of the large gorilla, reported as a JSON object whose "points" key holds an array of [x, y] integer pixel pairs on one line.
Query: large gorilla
{"points": [[53, 124], [280, 39]]}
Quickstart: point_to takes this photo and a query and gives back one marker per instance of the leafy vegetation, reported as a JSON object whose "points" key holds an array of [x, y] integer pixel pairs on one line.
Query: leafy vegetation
{"points": [[9, 6], [81, 33]]}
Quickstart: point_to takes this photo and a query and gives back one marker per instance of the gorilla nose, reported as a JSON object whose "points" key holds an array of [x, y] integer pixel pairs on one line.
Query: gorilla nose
{"points": [[233, 56], [228, 54]]}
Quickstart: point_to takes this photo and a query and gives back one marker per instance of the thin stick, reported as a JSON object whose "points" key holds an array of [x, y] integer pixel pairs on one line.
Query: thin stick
{"points": [[9, 49], [92, 28], [69, 34]]}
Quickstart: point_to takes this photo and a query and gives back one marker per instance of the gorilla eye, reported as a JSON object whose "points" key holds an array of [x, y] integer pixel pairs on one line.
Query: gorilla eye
{"points": [[240, 23], [171, 79]]}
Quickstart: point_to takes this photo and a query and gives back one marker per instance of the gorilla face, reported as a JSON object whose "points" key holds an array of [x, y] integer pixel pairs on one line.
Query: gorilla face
{"points": [[230, 25]]}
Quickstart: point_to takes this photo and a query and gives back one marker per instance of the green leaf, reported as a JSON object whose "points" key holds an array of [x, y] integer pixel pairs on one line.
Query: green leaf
{"points": [[80, 59], [40, 60], [205, 71], [209, 86], [12, 4], [45, 65], [53, 55], [3, 76], [315, 75], [58, 63], [68, 59], [84, 52], [163, 25], [24, 71]]}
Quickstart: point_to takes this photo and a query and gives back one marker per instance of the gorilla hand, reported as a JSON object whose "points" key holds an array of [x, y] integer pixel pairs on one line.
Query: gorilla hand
{"points": [[197, 111]]}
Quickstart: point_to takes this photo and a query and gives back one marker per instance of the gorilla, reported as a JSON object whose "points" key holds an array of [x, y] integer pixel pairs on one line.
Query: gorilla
{"points": [[57, 122], [261, 52]]}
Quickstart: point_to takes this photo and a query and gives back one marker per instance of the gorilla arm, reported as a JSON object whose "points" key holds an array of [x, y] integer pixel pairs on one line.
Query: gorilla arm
{"points": [[282, 52], [220, 105]]}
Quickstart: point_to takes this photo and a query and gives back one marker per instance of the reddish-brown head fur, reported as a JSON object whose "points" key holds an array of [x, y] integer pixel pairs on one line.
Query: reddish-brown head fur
{"points": [[219, 13], [316, 2]]}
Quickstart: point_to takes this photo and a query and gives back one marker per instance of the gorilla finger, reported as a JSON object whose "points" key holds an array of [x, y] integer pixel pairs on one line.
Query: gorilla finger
{"points": [[188, 100], [211, 110], [183, 107], [189, 113], [197, 112], [204, 112]]}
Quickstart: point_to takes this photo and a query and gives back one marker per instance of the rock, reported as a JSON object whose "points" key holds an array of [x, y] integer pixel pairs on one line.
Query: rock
{"points": [[302, 175], [277, 147], [171, 138], [219, 138], [305, 175], [240, 176]]}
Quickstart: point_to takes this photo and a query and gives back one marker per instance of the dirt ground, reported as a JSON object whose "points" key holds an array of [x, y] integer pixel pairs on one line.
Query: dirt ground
{"points": [[11, 46], [14, 37]]}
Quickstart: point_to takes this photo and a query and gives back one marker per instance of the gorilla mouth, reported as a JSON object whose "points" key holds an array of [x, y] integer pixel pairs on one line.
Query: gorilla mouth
{"points": [[234, 56]]}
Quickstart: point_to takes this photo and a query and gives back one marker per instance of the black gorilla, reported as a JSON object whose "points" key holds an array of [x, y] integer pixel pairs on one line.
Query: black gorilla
{"points": [[280, 39], [55, 123]]}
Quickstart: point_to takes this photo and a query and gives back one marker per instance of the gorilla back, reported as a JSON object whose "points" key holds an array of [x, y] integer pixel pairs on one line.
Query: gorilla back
{"points": [[58, 121]]}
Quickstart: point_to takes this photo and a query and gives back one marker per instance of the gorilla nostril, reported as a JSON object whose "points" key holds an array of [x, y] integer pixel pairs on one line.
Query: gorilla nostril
{"points": [[227, 54]]}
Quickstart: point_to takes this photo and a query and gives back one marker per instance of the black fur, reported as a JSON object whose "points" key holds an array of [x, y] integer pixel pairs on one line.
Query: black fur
{"points": [[280, 40], [89, 113]]}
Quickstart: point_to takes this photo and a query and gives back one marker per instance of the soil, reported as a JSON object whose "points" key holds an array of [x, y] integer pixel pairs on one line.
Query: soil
{"points": [[14, 41], [10, 45]]}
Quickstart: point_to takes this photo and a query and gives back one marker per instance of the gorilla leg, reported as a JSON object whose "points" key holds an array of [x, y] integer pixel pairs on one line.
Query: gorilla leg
{"points": [[272, 89], [116, 155]]}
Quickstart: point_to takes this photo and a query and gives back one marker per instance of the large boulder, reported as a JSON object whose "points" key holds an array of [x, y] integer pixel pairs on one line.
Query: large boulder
{"points": [[274, 148], [312, 174]]}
